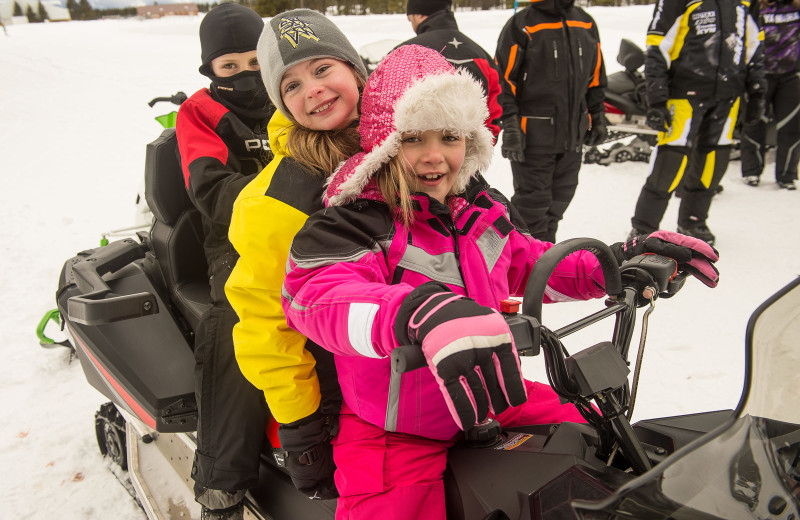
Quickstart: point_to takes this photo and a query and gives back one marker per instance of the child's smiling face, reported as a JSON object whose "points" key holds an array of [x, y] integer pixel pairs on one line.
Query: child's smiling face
{"points": [[433, 159], [322, 93]]}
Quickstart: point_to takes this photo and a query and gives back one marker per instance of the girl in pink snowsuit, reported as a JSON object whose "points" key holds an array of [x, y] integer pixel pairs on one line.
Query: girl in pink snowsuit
{"points": [[415, 248]]}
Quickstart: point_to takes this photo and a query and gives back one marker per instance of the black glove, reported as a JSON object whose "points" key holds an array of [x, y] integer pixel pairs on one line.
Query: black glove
{"points": [[513, 147], [307, 454], [658, 117], [692, 254], [469, 349], [754, 109], [598, 132]]}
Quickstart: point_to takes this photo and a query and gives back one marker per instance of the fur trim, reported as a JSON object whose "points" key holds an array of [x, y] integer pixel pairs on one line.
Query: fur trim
{"points": [[449, 101]]}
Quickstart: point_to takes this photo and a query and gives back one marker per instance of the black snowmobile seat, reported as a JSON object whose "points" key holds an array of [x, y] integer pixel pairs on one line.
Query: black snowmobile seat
{"points": [[630, 55], [177, 232]]}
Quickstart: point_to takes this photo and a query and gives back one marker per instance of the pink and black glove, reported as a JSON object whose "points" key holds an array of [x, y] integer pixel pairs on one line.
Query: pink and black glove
{"points": [[469, 349], [693, 255]]}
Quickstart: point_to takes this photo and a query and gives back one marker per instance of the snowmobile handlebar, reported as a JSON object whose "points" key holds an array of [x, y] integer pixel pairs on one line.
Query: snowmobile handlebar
{"points": [[97, 305], [547, 263], [525, 327], [175, 99]]}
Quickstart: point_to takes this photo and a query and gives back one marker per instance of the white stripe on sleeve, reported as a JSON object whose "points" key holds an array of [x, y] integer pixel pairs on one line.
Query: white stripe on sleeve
{"points": [[360, 319]]}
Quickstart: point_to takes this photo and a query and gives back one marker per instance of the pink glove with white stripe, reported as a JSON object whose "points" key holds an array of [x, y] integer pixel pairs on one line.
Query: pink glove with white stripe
{"points": [[469, 349], [692, 254]]}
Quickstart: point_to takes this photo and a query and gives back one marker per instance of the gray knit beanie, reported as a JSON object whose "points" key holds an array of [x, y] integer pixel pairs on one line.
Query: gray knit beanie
{"points": [[296, 36]]}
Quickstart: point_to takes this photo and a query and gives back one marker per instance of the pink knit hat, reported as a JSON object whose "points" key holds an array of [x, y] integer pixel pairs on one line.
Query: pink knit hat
{"points": [[414, 89]]}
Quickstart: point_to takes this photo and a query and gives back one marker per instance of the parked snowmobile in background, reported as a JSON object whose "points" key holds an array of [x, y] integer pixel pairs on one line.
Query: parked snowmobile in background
{"points": [[629, 137], [130, 310], [372, 53]]}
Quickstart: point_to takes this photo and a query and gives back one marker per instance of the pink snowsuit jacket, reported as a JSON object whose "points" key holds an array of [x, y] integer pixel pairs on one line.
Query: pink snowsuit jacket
{"points": [[351, 267]]}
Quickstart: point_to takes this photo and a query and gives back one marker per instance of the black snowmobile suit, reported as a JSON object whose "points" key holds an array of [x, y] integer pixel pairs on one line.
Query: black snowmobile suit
{"points": [[541, 49], [221, 150], [440, 32], [699, 49]]}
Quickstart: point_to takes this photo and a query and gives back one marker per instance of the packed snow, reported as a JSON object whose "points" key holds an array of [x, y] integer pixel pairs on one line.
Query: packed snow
{"points": [[75, 121]]}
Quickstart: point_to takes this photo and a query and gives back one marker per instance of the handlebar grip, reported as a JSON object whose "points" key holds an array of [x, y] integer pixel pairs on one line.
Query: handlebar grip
{"points": [[96, 305], [406, 358]]}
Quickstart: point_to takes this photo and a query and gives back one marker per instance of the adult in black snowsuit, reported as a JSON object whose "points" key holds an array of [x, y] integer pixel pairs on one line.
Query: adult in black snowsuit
{"points": [[701, 58], [436, 28], [553, 80], [222, 139], [781, 24]]}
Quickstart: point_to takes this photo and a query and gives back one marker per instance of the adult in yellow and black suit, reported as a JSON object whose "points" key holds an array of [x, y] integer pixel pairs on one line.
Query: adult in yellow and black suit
{"points": [[702, 56]]}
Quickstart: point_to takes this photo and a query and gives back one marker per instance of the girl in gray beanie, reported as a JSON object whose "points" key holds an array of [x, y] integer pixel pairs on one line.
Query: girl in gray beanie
{"points": [[314, 77]]}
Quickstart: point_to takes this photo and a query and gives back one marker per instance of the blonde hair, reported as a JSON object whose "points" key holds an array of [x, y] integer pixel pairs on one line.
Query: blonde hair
{"points": [[322, 151], [392, 181]]}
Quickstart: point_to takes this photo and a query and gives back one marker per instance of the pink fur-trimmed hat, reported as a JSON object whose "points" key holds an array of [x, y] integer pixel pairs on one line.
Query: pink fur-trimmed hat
{"points": [[414, 89]]}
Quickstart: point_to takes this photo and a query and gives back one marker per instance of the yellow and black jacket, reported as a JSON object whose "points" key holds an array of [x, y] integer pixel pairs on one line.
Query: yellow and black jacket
{"points": [[703, 49], [552, 74], [267, 214]]}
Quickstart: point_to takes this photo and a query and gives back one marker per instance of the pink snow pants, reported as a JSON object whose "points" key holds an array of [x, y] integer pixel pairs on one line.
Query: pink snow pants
{"points": [[396, 476]]}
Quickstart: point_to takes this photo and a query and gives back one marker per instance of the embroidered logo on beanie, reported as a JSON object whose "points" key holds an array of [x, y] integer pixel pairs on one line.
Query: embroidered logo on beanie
{"points": [[293, 28]]}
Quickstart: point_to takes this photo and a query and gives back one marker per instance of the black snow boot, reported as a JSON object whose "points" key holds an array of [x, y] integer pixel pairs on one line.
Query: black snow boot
{"points": [[699, 230], [235, 512]]}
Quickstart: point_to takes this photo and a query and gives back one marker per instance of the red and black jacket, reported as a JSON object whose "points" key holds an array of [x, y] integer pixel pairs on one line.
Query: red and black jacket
{"points": [[440, 32], [220, 153], [552, 74]]}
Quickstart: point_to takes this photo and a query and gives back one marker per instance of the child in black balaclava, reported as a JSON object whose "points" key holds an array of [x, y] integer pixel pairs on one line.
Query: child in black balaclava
{"points": [[222, 140]]}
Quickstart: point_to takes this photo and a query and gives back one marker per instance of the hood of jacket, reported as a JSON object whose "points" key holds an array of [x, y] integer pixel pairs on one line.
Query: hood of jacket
{"points": [[438, 21], [278, 131]]}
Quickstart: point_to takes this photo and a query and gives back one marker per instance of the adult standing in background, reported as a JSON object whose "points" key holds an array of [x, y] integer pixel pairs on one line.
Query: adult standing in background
{"points": [[553, 81], [701, 58], [781, 24], [436, 28]]}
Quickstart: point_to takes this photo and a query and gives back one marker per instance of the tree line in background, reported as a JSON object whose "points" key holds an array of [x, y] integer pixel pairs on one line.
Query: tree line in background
{"points": [[83, 10]]}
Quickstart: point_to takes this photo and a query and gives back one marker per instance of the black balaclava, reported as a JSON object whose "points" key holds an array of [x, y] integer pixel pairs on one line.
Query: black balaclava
{"points": [[226, 29]]}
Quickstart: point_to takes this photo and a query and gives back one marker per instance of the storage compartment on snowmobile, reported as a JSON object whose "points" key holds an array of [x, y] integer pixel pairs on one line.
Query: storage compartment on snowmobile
{"points": [[176, 237], [526, 459], [130, 346]]}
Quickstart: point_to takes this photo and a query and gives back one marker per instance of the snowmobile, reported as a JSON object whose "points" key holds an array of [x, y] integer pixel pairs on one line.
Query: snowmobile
{"points": [[629, 137], [625, 109], [143, 219], [130, 309]]}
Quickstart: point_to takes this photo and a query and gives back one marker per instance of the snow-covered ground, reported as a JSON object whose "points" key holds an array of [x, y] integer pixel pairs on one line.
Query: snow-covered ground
{"points": [[74, 122]]}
